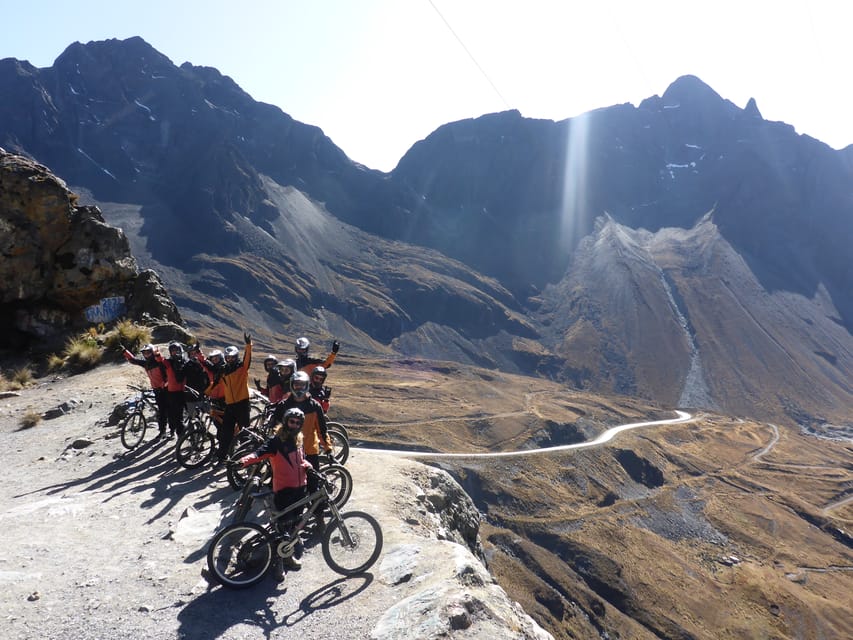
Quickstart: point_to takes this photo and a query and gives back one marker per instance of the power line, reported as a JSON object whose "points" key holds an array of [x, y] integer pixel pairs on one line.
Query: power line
{"points": [[470, 55]]}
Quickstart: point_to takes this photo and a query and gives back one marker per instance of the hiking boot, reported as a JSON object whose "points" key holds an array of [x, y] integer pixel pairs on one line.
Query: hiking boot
{"points": [[278, 571]]}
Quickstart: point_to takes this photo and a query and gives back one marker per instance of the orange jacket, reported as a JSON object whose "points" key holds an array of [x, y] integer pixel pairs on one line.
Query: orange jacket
{"points": [[236, 382], [307, 364], [314, 427]]}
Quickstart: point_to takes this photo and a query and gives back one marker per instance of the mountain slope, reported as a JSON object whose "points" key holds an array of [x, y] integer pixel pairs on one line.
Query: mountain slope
{"points": [[634, 299], [257, 220]]}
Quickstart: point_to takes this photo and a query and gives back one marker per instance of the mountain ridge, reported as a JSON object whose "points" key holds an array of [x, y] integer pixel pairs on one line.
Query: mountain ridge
{"points": [[214, 189]]}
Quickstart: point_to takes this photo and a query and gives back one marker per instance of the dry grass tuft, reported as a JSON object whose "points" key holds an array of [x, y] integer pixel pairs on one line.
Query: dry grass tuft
{"points": [[127, 333], [82, 353], [55, 362], [30, 419], [23, 376]]}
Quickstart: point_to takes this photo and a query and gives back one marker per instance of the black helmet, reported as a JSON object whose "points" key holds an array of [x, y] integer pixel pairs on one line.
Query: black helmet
{"points": [[319, 371], [147, 350], [293, 414], [299, 384], [176, 346], [302, 345]]}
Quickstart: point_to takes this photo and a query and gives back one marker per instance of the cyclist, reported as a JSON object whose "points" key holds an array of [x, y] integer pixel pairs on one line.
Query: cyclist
{"points": [[272, 390], [175, 384], [156, 377], [318, 389], [286, 368], [306, 363], [313, 429], [196, 379], [214, 366], [235, 378], [289, 470]]}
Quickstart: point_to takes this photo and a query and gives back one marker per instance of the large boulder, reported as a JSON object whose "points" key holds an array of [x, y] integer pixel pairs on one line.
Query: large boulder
{"points": [[63, 267]]}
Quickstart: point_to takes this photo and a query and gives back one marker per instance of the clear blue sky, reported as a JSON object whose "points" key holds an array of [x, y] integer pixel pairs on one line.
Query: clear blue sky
{"points": [[379, 75]]}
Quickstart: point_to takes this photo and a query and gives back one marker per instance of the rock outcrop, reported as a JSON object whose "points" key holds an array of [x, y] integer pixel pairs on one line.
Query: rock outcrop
{"points": [[435, 564], [63, 266]]}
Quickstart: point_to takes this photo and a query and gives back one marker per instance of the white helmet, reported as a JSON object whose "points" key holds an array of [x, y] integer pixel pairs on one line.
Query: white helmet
{"points": [[302, 345], [299, 384]]}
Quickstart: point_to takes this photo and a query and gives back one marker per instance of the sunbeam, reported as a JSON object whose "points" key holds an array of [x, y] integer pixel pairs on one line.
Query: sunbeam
{"points": [[574, 181]]}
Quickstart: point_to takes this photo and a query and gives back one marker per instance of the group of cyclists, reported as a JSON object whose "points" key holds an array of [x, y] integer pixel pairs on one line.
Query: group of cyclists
{"points": [[295, 387], [186, 376]]}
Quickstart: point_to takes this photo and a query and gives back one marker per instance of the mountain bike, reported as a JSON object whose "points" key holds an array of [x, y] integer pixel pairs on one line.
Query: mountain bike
{"points": [[136, 422], [338, 426], [198, 444], [249, 439], [338, 478], [240, 554], [246, 441]]}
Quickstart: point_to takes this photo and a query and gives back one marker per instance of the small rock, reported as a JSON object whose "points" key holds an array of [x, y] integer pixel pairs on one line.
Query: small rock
{"points": [[144, 609], [34, 596], [81, 443], [458, 618]]}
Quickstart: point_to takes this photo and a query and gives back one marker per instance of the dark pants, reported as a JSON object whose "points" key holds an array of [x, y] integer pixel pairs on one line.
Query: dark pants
{"points": [[235, 414], [314, 459], [175, 411], [313, 484], [285, 497], [161, 397]]}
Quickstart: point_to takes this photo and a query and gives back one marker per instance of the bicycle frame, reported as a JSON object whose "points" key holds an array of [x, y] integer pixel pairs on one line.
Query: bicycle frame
{"points": [[315, 500], [146, 396]]}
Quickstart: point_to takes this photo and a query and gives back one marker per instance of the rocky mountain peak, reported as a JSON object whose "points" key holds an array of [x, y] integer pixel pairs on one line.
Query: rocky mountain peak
{"points": [[115, 54]]}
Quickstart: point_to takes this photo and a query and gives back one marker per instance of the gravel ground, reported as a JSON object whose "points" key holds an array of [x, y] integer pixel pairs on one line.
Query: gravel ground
{"points": [[102, 543]]}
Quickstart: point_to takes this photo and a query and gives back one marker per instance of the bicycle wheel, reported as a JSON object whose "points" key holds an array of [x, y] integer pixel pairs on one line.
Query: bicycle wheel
{"points": [[340, 480], [239, 555], [133, 430], [195, 447], [338, 426], [237, 475], [352, 544], [340, 445]]}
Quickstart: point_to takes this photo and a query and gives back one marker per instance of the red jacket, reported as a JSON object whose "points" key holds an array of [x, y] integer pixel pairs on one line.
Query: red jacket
{"points": [[155, 370], [174, 378]]}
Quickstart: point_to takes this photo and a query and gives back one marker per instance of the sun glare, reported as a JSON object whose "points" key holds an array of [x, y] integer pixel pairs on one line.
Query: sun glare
{"points": [[574, 181]]}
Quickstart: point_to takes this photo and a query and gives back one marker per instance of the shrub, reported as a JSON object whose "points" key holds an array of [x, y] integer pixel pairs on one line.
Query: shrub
{"points": [[30, 419], [4, 382], [23, 376], [55, 362], [127, 333], [82, 353]]}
